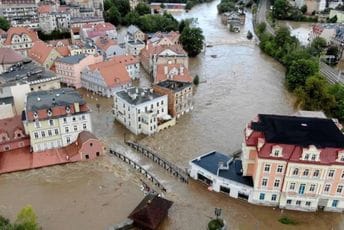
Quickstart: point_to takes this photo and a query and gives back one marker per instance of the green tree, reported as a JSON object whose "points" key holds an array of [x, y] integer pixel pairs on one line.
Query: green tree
{"points": [[4, 24], [261, 27], [142, 8], [123, 6], [26, 219], [108, 4], [226, 6], [333, 19], [196, 80], [5, 224], [132, 18], [304, 9], [337, 91], [280, 9], [192, 40], [162, 6], [113, 16], [299, 71]]}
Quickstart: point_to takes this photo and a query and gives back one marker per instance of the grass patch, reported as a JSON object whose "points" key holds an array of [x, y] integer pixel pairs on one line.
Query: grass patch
{"points": [[287, 220]]}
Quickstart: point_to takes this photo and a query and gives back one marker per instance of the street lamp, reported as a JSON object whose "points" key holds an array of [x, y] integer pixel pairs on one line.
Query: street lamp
{"points": [[217, 212]]}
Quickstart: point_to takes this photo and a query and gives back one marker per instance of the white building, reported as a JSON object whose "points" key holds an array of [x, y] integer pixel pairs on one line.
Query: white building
{"points": [[142, 111], [222, 174]]}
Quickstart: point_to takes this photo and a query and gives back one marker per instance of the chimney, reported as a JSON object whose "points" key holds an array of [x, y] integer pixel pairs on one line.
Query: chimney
{"points": [[165, 69]]}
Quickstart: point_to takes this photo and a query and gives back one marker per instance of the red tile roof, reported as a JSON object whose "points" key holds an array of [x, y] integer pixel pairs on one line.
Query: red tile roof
{"points": [[105, 43], [125, 59], [44, 9], [152, 49], [19, 31], [40, 51], [63, 50], [9, 56], [176, 72], [60, 42], [10, 125]]}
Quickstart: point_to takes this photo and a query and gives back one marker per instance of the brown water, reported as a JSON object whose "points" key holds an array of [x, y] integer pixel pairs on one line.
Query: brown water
{"points": [[238, 84]]}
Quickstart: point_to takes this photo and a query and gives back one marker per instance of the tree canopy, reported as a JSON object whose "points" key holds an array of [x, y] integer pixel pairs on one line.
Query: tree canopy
{"points": [[192, 40], [4, 24], [26, 220]]}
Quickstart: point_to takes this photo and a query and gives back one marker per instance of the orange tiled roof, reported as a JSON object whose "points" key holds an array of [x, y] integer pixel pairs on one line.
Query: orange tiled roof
{"points": [[19, 31], [10, 125], [9, 56], [125, 59], [104, 43], [40, 51], [63, 50], [176, 72], [44, 9]]}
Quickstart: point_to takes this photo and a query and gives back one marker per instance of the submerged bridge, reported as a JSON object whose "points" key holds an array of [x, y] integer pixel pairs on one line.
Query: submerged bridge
{"points": [[181, 174], [331, 74]]}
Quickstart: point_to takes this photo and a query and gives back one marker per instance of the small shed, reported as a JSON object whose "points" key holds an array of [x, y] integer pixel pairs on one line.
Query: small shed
{"points": [[149, 214]]}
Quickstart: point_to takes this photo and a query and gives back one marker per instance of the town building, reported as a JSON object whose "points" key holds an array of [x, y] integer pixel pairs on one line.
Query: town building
{"points": [[109, 47], [134, 47], [325, 31], [7, 105], [20, 13], [80, 21], [295, 162], [142, 111], [94, 31], [164, 39], [12, 135], [105, 78], [177, 72], [43, 54], [131, 63], [222, 174], [8, 57], [68, 69], [179, 96], [312, 6], [134, 33], [79, 47], [20, 39], [53, 17], [54, 118], [153, 55]]}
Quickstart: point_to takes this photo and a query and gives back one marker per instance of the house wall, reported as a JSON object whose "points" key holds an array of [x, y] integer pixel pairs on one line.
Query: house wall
{"points": [[14, 144], [19, 94], [91, 149], [6, 111], [53, 83]]}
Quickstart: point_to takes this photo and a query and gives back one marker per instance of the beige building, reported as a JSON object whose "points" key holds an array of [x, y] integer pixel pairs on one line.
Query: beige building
{"points": [[43, 54]]}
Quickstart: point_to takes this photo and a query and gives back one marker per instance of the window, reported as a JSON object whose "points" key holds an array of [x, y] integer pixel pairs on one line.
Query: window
{"points": [[276, 153], [316, 173], [91, 144], [83, 117], [342, 158], [37, 124], [288, 201], [340, 188], [280, 168], [75, 128], [262, 196], [74, 118], [292, 186], [162, 110], [277, 183], [312, 188], [327, 188], [43, 133], [335, 203], [313, 157], [84, 126], [308, 203], [162, 102], [331, 173], [295, 172], [267, 168], [68, 139], [298, 202], [305, 172], [306, 156], [36, 135], [50, 133], [264, 182], [302, 188], [66, 129], [51, 122], [56, 131], [342, 174], [274, 197], [64, 120]]}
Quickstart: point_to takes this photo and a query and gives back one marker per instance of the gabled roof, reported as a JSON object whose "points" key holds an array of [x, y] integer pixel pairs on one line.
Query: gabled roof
{"points": [[150, 212], [19, 31], [9, 56], [63, 51], [125, 59], [177, 72], [72, 59], [132, 29], [40, 51]]}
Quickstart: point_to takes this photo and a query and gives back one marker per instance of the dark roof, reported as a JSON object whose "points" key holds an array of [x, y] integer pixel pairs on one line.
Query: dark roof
{"points": [[174, 85], [7, 100], [150, 212], [55, 97], [136, 96], [302, 131], [72, 59], [212, 161], [26, 71]]}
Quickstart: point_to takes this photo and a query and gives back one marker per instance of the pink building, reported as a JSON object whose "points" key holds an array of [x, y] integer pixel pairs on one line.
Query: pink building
{"points": [[69, 68], [94, 31], [12, 135], [295, 162]]}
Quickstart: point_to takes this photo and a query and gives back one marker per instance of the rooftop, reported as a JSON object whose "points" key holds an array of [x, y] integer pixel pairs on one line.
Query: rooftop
{"points": [[40, 51], [174, 85], [72, 59], [51, 98], [9, 56], [136, 96], [303, 131], [6, 100], [232, 169]]}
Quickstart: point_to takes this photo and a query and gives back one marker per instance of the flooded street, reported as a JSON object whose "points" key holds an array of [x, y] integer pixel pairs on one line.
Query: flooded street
{"points": [[237, 85]]}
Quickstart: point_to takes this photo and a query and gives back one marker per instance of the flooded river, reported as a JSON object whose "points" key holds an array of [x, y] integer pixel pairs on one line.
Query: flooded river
{"points": [[237, 85]]}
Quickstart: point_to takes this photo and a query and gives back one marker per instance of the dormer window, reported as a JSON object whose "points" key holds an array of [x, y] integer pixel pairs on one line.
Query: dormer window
{"points": [[306, 156], [49, 112], [67, 109], [313, 157], [35, 115], [340, 157], [310, 154], [276, 151]]}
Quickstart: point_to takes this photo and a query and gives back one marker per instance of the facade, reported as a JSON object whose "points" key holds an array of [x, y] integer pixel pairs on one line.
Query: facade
{"points": [[222, 174], [68, 69], [109, 47], [20, 39], [131, 63], [12, 134], [89, 146], [105, 78], [294, 164], [55, 118], [134, 47], [20, 13], [53, 17], [8, 57], [43, 54], [179, 96], [134, 33], [7, 106], [176, 72], [142, 111]]}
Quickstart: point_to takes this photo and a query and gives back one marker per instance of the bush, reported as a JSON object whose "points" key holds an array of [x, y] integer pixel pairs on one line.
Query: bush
{"points": [[287, 220], [196, 80], [215, 224]]}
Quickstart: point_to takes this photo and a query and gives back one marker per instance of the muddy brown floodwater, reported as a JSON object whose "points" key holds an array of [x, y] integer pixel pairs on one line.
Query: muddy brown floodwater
{"points": [[237, 85]]}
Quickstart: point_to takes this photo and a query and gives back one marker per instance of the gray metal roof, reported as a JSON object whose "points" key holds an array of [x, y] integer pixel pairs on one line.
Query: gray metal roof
{"points": [[136, 96], [72, 59], [51, 98], [132, 29], [174, 85]]}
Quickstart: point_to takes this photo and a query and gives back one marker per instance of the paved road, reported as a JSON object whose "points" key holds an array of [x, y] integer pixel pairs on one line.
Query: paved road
{"points": [[262, 10]]}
